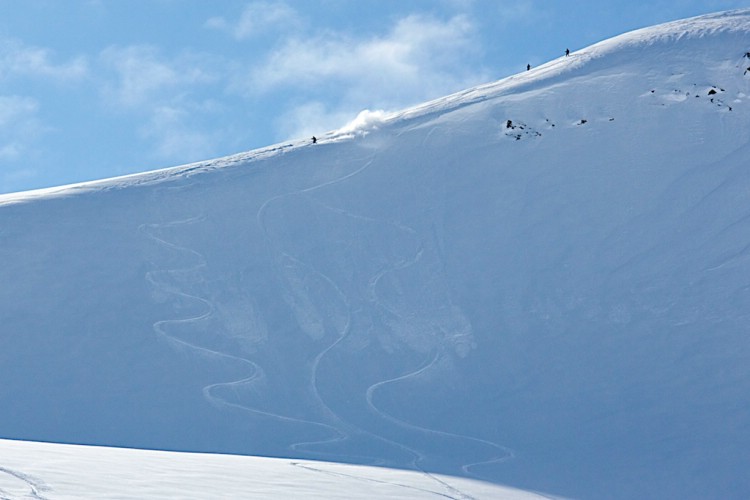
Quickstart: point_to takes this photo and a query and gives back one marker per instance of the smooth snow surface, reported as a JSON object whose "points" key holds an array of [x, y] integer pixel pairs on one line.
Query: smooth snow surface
{"points": [[58, 472], [542, 282]]}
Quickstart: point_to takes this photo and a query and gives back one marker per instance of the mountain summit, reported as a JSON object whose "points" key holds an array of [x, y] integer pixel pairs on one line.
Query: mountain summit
{"points": [[542, 282]]}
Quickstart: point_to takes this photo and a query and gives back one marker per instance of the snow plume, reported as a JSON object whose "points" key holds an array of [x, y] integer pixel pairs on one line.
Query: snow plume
{"points": [[365, 121]]}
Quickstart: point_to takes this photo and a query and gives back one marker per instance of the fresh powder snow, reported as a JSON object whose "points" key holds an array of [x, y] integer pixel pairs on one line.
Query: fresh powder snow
{"points": [[74, 472], [542, 283]]}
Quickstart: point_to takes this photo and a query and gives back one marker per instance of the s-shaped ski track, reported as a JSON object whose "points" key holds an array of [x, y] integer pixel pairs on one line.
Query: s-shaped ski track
{"points": [[159, 328], [506, 453], [418, 457]]}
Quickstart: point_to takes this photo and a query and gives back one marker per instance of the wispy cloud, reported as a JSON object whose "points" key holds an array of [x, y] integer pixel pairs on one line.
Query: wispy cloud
{"points": [[20, 60], [259, 18], [142, 74], [418, 50], [166, 95], [515, 11], [19, 125], [171, 129]]}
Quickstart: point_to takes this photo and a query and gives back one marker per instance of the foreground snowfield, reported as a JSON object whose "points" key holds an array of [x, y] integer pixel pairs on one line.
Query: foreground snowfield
{"points": [[542, 282], [56, 471]]}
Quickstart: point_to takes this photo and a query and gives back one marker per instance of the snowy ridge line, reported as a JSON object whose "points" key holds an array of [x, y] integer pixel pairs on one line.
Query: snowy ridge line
{"points": [[731, 21], [169, 173], [552, 71], [152, 176]]}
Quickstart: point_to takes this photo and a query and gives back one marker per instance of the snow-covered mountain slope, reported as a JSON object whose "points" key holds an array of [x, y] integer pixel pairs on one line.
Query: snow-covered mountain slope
{"points": [[58, 471], [542, 282]]}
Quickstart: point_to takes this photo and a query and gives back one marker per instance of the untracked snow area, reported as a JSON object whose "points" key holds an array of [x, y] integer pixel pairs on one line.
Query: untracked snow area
{"points": [[542, 282], [45, 471]]}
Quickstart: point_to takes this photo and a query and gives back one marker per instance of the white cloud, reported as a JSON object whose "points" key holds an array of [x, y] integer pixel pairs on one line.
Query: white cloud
{"points": [[258, 18], [167, 97], [418, 51], [142, 75], [170, 128], [18, 59], [515, 11], [16, 176], [19, 125], [459, 5], [14, 107]]}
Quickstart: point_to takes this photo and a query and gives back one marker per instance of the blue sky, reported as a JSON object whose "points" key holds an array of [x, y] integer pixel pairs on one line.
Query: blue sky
{"points": [[91, 89]]}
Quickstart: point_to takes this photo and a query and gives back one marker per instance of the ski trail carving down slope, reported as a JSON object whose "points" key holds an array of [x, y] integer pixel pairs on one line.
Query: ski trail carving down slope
{"points": [[300, 304], [351, 430], [287, 263], [503, 454], [35, 486], [367, 301], [255, 372]]}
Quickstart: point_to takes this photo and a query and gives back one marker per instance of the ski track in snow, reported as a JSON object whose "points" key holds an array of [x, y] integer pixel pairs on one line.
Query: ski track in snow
{"points": [[255, 371], [342, 335], [347, 429], [343, 430], [36, 486], [503, 453]]}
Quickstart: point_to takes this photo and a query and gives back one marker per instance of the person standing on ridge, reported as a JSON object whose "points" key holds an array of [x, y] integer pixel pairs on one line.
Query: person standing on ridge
{"points": [[528, 67], [567, 52], [314, 139]]}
